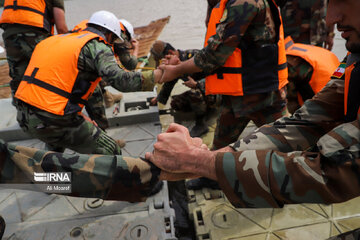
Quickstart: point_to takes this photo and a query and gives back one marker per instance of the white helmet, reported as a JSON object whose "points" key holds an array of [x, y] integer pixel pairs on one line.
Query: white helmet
{"points": [[128, 27], [106, 20]]}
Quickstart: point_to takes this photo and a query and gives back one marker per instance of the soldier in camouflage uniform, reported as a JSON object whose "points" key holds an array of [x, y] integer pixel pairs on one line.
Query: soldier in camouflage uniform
{"points": [[248, 26], [193, 100], [97, 102], [311, 157], [304, 21], [244, 23], [20, 39], [96, 59]]}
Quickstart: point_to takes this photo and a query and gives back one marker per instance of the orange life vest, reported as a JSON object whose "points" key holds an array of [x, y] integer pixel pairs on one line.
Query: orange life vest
{"points": [[32, 13], [50, 80], [238, 77], [81, 26], [323, 62], [351, 91]]}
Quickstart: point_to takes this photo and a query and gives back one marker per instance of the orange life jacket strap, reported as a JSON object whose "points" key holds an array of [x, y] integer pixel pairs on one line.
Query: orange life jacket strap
{"points": [[32, 80]]}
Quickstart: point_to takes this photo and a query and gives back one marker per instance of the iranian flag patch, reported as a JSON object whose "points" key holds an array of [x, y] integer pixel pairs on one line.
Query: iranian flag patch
{"points": [[339, 72]]}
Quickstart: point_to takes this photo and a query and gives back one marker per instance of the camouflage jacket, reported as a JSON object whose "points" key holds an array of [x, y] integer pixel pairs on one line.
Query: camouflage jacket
{"points": [[244, 22], [311, 157], [97, 59], [93, 176], [304, 21], [300, 73]]}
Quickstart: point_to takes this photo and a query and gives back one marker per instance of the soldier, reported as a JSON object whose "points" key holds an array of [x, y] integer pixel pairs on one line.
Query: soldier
{"points": [[57, 84], [25, 24], [231, 40], [311, 157], [310, 68], [242, 37], [304, 21], [102, 98]]}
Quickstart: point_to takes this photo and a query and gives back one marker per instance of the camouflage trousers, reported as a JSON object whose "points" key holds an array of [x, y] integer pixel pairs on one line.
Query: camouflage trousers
{"points": [[237, 111], [60, 132], [96, 107], [19, 48]]}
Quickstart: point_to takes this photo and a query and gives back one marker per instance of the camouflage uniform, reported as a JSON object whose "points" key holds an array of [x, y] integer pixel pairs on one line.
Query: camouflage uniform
{"points": [[246, 22], [304, 21], [93, 176], [20, 41], [72, 131], [96, 104], [311, 157], [300, 73]]}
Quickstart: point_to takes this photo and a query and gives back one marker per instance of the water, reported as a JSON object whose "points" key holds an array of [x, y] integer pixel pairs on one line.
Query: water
{"points": [[185, 30]]}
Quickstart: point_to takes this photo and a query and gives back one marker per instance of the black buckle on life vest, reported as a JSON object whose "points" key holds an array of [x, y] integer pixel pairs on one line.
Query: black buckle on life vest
{"points": [[15, 5], [229, 70]]}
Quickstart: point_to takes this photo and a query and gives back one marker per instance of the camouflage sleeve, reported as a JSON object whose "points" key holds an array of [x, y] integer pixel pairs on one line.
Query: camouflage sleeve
{"points": [[327, 173], [95, 176], [301, 131], [127, 60], [187, 54], [300, 73], [235, 22], [100, 58]]}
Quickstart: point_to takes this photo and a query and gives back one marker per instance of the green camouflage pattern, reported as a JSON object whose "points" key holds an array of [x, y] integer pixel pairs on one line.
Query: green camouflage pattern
{"points": [[237, 111], [69, 131], [167, 87], [97, 59], [19, 48], [20, 41], [304, 21], [300, 73], [245, 22], [311, 157], [93, 176], [96, 107]]}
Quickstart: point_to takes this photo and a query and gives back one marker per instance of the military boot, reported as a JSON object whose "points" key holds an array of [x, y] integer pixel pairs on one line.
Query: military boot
{"points": [[121, 143], [111, 98], [3, 152], [2, 226]]}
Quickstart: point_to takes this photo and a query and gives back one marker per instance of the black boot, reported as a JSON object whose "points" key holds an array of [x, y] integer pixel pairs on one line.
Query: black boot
{"points": [[2, 226], [199, 183]]}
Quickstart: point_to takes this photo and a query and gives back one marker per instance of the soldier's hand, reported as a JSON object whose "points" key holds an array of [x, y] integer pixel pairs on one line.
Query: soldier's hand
{"points": [[191, 83], [157, 75], [177, 152], [169, 73], [171, 60]]}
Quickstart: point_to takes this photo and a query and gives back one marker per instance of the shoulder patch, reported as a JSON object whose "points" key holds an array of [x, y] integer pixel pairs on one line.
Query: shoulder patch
{"points": [[340, 71], [224, 16]]}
